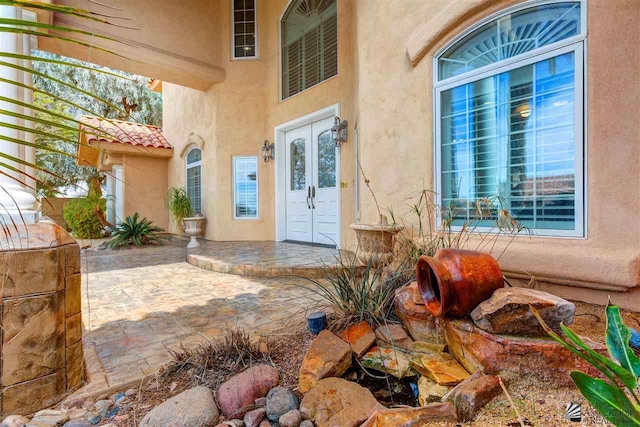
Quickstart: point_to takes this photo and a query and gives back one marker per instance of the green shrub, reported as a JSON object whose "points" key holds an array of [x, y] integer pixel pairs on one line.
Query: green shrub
{"points": [[179, 205], [134, 232], [84, 216]]}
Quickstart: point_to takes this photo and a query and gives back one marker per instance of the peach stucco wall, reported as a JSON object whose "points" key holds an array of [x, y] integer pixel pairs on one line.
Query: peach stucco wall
{"points": [[145, 185], [389, 99]]}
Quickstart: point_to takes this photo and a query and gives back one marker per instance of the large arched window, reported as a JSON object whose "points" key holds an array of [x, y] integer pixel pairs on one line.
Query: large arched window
{"points": [[194, 179], [509, 117], [309, 44]]}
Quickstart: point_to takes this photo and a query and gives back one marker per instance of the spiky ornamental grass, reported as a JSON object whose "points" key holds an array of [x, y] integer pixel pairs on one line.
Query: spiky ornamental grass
{"points": [[134, 232]]}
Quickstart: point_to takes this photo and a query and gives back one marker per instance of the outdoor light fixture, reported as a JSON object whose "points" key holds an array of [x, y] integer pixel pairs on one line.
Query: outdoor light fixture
{"points": [[339, 131], [268, 151]]}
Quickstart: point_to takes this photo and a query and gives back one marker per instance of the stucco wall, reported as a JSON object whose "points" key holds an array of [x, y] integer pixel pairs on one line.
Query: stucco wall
{"points": [[145, 186], [390, 100]]}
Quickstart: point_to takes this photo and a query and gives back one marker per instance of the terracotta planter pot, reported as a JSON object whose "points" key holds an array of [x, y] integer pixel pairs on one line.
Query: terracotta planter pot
{"points": [[455, 281]]}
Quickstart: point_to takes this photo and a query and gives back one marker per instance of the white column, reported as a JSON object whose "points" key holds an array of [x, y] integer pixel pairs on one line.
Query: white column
{"points": [[14, 197]]}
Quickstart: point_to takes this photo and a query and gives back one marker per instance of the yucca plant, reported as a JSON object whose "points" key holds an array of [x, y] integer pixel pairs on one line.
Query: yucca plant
{"points": [[134, 231], [615, 398]]}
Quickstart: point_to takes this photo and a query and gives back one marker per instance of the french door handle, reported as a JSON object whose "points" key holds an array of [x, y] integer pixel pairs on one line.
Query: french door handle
{"points": [[308, 197], [313, 197]]}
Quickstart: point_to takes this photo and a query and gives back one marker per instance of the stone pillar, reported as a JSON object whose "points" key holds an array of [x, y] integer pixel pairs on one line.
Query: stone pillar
{"points": [[15, 200]]}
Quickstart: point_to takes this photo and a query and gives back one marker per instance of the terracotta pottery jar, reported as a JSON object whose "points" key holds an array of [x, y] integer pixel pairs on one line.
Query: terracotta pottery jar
{"points": [[455, 281]]}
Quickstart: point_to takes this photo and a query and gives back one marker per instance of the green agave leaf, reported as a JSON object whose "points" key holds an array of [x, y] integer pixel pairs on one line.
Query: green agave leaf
{"points": [[618, 336], [69, 85], [626, 376], [609, 401]]}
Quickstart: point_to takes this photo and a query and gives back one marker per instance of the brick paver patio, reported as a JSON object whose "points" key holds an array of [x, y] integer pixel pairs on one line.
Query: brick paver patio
{"points": [[138, 304]]}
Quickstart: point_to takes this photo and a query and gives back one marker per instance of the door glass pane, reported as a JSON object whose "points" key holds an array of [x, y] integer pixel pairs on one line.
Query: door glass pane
{"points": [[298, 165], [510, 138], [326, 161]]}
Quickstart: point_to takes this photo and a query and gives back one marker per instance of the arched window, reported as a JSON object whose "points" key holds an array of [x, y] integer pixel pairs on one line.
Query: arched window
{"points": [[194, 179], [509, 117], [309, 44]]}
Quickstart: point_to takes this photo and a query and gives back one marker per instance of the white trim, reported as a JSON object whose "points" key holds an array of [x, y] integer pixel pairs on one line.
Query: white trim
{"points": [[516, 59], [233, 34], [188, 166], [279, 135], [233, 192], [579, 126]]}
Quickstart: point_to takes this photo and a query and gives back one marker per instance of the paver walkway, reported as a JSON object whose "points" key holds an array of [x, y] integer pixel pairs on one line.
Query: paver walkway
{"points": [[138, 304]]}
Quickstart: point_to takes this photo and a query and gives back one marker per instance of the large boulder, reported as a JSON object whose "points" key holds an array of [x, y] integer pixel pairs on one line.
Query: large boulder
{"points": [[420, 323], [412, 417], [243, 389], [280, 400], [478, 350], [328, 356], [387, 359], [473, 396], [338, 402], [191, 408], [360, 337], [507, 312]]}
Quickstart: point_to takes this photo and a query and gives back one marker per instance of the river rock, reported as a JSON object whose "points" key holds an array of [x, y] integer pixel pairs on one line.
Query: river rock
{"points": [[280, 400], [412, 417], [244, 388], [14, 421], [290, 419], [360, 337], [51, 417], [507, 312], [338, 402], [387, 359], [394, 335], [420, 323], [478, 350], [254, 418], [191, 408], [328, 356], [472, 397], [306, 423], [430, 392]]}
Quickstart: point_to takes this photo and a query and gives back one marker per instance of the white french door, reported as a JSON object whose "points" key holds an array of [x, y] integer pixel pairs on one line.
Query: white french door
{"points": [[311, 184]]}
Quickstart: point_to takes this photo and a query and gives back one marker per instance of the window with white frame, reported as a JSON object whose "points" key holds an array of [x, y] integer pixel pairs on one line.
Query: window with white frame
{"points": [[244, 37], [509, 118], [194, 179], [309, 44], [245, 187]]}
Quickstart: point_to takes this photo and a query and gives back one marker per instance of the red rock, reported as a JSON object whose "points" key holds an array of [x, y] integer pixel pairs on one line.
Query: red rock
{"points": [[243, 389], [420, 323], [478, 350], [360, 336], [328, 356], [254, 418], [473, 396], [395, 335], [338, 402], [414, 291], [412, 417]]}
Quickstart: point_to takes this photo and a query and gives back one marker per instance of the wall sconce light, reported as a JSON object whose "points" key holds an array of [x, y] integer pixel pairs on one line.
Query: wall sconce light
{"points": [[268, 151], [339, 131]]}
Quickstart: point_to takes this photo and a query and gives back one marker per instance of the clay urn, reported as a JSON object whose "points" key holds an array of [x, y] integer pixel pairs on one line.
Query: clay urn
{"points": [[455, 281], [193, 227]]}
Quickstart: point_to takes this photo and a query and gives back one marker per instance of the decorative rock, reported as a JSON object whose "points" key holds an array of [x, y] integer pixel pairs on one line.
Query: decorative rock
{"points": [[478, 350], [14, 421], [360, 336], [254, 418], [420, 323], [290, 419], [328, 356], [265, 423], [473, 396], [243, 389], [261, 401], [441, 368], [507, 312], [414, 292], [429, 391], [394, 335], [338, 402], [234, 423], [412, 417], [76, 413], [451, 394], [78, 423], [50, 417], [131, 392], [306, 423], [191, 408], [280, 400], [102, 407], [389, 360]]}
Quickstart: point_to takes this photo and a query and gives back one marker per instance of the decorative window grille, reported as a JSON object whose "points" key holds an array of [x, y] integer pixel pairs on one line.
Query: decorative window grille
{"points": [[244, 29], [245, 187]]}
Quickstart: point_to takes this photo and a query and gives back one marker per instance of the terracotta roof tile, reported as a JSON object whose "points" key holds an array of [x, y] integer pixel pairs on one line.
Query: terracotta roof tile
{"points": [[123, 132]]}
